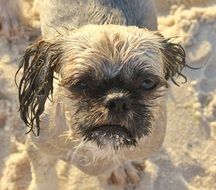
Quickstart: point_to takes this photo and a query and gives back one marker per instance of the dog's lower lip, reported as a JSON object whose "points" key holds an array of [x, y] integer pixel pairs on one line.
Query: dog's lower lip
{"points": [[109, 130], [115, 135]]}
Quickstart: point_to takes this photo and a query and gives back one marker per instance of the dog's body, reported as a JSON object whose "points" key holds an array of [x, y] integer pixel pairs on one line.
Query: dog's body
{"points": [[109, 96], [74, 13]]}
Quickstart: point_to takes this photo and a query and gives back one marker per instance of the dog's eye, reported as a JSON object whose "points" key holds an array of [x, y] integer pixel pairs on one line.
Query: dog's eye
{"points": [[80, 86], [148, 84]]}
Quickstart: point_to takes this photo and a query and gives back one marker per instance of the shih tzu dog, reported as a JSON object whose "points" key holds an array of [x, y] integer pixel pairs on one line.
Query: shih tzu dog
{"points": [[92, 91]]}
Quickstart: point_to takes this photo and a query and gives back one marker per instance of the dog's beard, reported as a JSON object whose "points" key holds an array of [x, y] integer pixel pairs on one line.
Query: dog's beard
{"points": [[118, 132]]}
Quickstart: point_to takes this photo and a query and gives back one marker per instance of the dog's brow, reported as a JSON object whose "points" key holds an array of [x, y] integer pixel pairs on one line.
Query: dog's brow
{"points": [[79, 77]]}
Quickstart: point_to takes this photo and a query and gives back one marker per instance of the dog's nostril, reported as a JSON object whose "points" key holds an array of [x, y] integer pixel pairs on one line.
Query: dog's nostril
{"points": [[118, 105], [124, 106], [111, 105]]}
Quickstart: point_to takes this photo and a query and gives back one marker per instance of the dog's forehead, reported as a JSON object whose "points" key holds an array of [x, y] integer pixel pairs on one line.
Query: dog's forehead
{"points": [[109, 50]]}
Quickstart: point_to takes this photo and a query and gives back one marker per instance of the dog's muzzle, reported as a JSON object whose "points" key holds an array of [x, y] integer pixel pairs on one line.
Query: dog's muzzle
{"points": [[112, 133]]}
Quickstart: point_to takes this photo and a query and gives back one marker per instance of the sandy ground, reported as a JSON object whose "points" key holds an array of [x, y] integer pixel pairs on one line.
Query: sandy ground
{"points": [[187, 160]]}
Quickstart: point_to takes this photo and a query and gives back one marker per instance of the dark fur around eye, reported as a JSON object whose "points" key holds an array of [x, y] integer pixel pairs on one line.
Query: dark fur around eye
{"points": [[148, 84], [36, 84], [79, 86]]}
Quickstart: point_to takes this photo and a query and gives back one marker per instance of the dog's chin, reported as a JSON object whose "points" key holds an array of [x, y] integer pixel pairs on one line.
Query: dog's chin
{"points": [[113, 135]]}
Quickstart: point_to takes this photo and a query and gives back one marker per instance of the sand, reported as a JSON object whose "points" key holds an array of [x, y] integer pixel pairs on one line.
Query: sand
{"points": [[187, 160]]}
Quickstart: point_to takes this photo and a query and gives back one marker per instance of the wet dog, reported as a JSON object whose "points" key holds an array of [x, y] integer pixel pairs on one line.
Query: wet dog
{"points": [[105, 69]]}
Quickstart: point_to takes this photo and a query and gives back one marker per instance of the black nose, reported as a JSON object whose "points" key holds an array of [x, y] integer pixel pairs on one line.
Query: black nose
{"points": [[117, 103]]}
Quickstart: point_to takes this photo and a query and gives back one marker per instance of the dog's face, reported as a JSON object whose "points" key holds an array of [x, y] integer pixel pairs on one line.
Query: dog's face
{"points": [[112, 78]]}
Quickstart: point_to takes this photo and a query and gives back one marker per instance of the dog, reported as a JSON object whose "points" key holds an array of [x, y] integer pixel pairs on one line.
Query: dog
{"points": [[93, 90]]}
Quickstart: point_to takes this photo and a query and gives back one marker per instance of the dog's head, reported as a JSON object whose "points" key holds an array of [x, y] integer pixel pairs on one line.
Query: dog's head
{"points": [[112, 78]]}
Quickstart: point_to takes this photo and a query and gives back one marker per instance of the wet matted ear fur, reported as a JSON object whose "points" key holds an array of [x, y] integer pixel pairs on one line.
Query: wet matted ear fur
{"points": [[38, 63], [174, 60]]}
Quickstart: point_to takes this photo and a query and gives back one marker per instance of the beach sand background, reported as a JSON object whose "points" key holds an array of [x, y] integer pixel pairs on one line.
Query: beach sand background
{"points": [[187, 160]]}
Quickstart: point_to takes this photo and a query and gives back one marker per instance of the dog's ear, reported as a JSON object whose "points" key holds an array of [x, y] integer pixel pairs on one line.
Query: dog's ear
{"points": [[39, 62], [173, 59]]}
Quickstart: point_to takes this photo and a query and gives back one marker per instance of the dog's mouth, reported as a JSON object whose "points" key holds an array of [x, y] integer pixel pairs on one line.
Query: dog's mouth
{"points": [[116, 136]]}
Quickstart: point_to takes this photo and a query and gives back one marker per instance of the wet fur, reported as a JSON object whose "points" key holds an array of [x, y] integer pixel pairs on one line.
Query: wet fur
{"points": [[36, 83]]}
